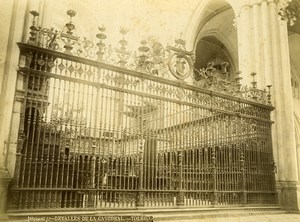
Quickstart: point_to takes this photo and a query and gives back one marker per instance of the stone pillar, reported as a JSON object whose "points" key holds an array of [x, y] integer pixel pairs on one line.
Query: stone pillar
{"points": [[8, 51], [254, 40], [260, 27], [13, 22], [244, 45], [289, 181]]}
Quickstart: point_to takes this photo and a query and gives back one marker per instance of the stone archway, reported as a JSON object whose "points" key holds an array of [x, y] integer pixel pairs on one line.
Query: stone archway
{"points": [[204, 12], [212, 35], [210, 49]]}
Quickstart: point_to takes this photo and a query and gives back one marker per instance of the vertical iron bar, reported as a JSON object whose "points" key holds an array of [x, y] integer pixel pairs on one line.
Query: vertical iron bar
{"points": [[45, 98], [38, 124]]}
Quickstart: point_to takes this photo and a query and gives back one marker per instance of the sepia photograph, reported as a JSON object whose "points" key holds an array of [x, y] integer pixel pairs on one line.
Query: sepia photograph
{"points": [[150, 110]]}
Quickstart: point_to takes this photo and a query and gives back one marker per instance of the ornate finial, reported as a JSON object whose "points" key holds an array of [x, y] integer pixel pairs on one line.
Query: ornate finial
{"points": [[122, 53], [71, 13], [123, 42], [34, 13], [101, 28], [224, 66], [70, 26], [124, 30], [180, 43], [101, 36], [254, 89], [33, 28], [144, 48], [68, 37], [143, 55], [238, 79], [254, 83], [269, 94]]}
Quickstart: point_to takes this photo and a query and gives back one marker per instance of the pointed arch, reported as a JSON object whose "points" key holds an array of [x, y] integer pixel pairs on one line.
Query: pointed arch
{"points": [[229, 50], [204, 11]]}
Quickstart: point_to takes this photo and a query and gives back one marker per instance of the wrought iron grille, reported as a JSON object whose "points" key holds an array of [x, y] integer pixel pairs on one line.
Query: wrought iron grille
{"points": [[96, 135]]}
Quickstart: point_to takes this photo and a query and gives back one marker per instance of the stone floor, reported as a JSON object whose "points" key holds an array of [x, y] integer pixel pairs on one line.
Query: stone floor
{"points": [[254, 218], [238, 214]]}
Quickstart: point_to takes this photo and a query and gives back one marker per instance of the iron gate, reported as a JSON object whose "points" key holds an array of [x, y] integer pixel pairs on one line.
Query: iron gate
{"points": [[97, 135]]}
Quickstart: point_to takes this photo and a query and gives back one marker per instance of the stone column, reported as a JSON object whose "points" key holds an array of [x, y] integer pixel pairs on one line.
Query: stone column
{"points": [[245, 46], [289, 181], [254, 40], [12, 15], [259, 26], [14, 26], [6, 11]]}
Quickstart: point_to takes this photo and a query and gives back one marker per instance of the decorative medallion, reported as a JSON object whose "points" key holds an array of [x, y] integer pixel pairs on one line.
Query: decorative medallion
{"points": [[180, 60], [180, 65]]}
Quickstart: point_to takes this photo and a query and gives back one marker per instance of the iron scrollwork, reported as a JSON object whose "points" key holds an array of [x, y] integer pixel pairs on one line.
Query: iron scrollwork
{"points": [[135, 134]]}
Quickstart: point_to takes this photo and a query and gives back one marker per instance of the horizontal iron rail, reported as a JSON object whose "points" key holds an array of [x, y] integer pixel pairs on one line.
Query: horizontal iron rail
{"points": [[102, 85], [143, 190]]}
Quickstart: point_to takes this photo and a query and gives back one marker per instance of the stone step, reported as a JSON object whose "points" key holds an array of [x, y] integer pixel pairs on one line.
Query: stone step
{"points": [[160, 214], [215, 213]]}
